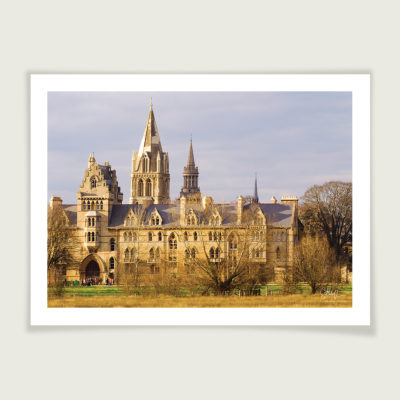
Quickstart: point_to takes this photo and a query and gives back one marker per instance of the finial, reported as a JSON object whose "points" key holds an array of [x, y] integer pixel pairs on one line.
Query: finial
{"points": [[151, 102]]}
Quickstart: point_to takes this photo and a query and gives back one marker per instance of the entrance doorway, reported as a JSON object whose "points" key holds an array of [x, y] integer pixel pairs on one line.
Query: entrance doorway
{"points": [[92, 270]]}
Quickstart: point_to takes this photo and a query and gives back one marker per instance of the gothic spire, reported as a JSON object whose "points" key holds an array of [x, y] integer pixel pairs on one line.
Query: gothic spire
{"points": [[190, 162], [255, 196], [150, 135]]}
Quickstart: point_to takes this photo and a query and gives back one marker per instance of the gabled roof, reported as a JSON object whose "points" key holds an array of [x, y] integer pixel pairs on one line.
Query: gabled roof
{"points": [[70, 211]]}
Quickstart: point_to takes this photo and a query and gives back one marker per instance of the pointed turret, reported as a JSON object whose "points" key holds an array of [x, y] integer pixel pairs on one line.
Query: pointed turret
{"points": [[190, 162], [190, 188]]}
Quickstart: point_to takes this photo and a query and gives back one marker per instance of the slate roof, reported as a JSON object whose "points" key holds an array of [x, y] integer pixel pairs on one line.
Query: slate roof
{"points": [[276, 214], [70, 210]]}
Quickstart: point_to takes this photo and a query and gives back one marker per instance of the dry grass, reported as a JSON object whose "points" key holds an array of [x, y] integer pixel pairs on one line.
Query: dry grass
{"points": [[292, 301]]}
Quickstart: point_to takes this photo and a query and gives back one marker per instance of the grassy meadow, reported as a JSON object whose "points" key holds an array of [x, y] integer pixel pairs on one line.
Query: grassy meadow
{"points": [[271, 296]]}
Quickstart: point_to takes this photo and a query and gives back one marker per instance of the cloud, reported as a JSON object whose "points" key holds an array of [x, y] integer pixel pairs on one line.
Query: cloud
{"points": [[292, 140]]}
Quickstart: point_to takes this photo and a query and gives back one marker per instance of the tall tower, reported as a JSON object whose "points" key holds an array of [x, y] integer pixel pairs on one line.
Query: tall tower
{"points": [[150, 168], [190, 188]]}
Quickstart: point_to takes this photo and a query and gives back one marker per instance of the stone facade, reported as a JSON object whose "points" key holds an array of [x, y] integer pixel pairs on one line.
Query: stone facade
{"points": [[151, 229]]}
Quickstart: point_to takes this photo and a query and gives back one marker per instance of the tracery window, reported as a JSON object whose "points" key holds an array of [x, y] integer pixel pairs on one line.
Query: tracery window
{"points": [[173, 245], [140, 187]]}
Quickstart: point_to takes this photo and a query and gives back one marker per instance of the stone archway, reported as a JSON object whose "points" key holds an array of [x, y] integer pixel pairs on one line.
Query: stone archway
{"points": [[93, 267], [92, 270]]}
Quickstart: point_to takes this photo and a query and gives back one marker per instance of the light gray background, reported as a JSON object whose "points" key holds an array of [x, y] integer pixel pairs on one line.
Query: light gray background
{"points": [[208, 36]]}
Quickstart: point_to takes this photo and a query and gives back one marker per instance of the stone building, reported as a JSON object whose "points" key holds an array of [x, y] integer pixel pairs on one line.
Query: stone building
{"points": [[151, 229]]}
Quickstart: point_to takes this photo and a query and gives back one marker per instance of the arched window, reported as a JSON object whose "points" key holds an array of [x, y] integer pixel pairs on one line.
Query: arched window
{"points": [[134, 237], [93, 183], [97, 205], [173, 245], [93, 237], [278, 253], [210, 236], [132, 254], [185, 236], [187, 253], [111, 263], [232, 242], [112, 244], [215, 236], [148, 188], [130, 236], [217, 252], [150, 236], [92, 206], [151, 254], [140, 188], [193, 253], [195, 236], [89, 221], [101, 204], [212, 253], [157, 221], [159, 236], [93, 221], [158, 256], [84, 205], [125, 237], [126, 254], [253, 253]]}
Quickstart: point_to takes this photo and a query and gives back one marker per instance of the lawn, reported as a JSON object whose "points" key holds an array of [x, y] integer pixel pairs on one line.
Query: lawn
{"points": [[115, 296]]}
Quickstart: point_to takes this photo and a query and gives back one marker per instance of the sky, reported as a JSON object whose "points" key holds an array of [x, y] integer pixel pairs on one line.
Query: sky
{"points": [[291, 140]]}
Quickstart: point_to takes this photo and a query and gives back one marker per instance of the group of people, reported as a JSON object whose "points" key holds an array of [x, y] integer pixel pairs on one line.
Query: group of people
{"points": [[91, 281]]}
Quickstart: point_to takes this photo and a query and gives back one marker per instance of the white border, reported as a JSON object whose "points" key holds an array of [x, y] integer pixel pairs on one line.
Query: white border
{"points": [[359, 314]]}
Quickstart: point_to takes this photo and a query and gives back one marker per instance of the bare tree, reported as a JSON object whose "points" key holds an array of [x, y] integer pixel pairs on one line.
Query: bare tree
{"points": [[61, 242], [327, 209], [219, 268], [313, 263], [129, 272]]}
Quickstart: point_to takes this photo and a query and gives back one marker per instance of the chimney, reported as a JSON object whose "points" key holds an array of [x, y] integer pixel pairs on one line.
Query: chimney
{"points": [[240, 209], [294, 202], [55, 202]]}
